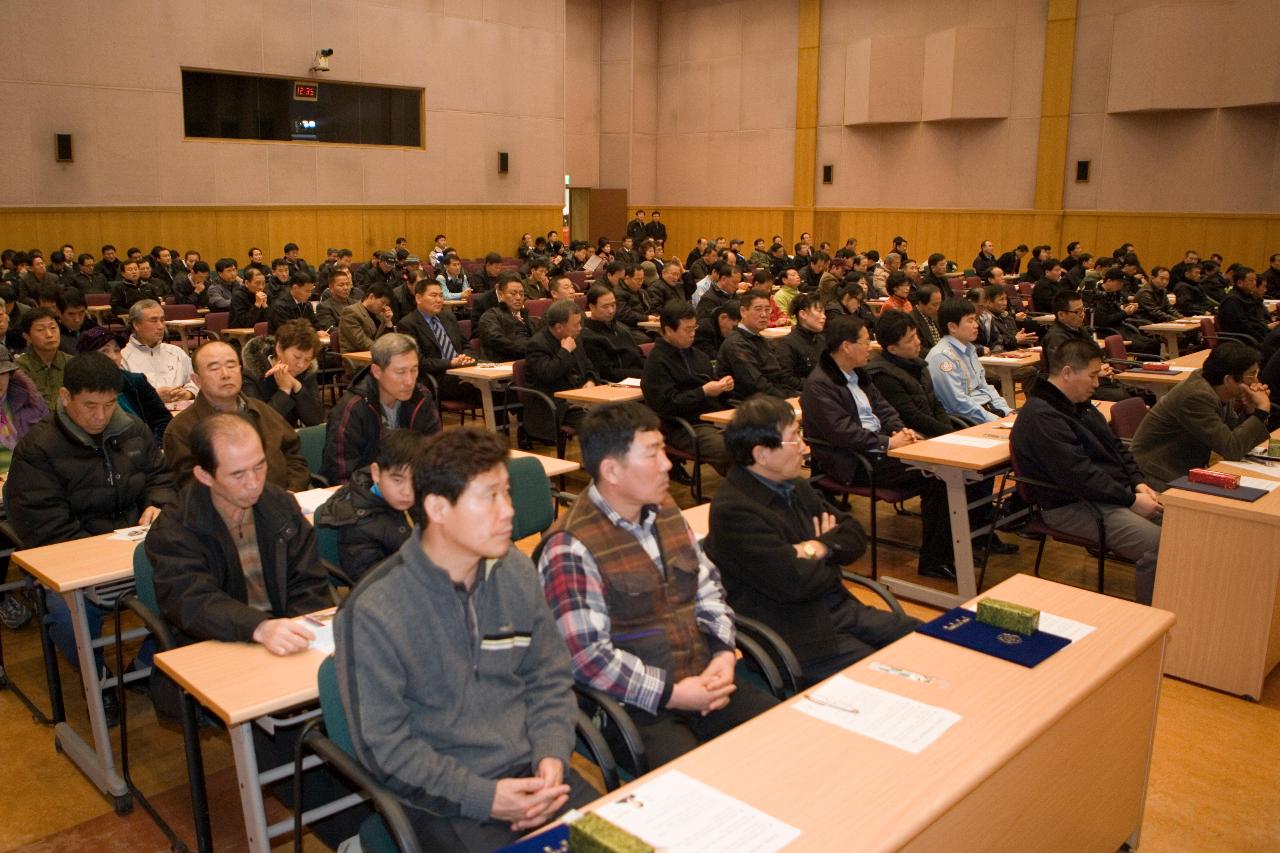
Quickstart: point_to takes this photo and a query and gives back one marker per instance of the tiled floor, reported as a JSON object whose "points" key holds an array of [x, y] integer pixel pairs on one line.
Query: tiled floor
{"points": [[1214, 786]]}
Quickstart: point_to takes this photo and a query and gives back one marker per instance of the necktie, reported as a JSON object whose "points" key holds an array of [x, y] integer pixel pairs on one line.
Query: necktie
{"points": [[447, 351]]}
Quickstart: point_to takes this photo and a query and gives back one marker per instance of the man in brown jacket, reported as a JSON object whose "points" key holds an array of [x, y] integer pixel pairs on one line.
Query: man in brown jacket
{"points": [[363, 323], [217, 370]]}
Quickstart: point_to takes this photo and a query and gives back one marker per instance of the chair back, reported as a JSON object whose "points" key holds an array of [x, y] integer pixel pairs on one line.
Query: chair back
{"points": [[216, 321], [260, 329], [531, 496], [464, 326], [1114, 347], [312, 440], [176, 311], [1209, 331], [645, 349], [144, 579], [1126, 415], [1024, 289], [579, 279], [580, 300], [327, 545], [335, 716], [97, 299], [537, 307], [1023, 490]]}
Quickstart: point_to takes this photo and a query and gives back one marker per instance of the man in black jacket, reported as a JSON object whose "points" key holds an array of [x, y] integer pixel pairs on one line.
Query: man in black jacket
{"points": [[799, 350], [1242, 312], [1011, 261], [636, 228], [610, 347], [678, 382], [129, 289], [902, 376], [441, 346], [505, 329], [1047, 287], [1068, 308], [249, 301], [294, 304], [633, 306], [384, 396], [555, 362], [750, 359], [713, 329], [844, 408], [655, 230], [1059, 438], [87, 468], [780, 547], [85, 277]]}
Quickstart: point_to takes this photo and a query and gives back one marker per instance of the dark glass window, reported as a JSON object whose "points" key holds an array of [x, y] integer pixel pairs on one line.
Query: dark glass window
{"points": [[244, 106]]}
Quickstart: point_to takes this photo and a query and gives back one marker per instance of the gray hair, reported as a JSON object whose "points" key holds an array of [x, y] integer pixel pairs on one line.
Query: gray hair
{"points": [[136, 309], [560, 311], [893, 255], [389, 346]]}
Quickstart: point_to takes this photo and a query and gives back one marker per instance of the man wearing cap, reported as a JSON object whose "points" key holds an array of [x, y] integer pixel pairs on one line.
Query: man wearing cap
{"points": [[382, 271]]}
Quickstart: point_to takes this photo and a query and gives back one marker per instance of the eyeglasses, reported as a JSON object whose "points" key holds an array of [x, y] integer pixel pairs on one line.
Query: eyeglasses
{"points": [[798, 441]]}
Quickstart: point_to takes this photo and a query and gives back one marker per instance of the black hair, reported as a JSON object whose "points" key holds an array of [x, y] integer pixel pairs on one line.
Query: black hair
{"points": [[844, 327], [290, 247], [675, 311], [30, 318], [378, 291], [448, 461], [596, 291], [1076, 353], [92, 371], [1240, 274], [732, 307], [954, 310], [758, 422], [608, 431], [896, 278], [936, 257], [200, 266], [560, 311], [398, 448], [1062, 300], [924, 294], [70, 297], [892, 327], [224, 263], [1229, 358]]}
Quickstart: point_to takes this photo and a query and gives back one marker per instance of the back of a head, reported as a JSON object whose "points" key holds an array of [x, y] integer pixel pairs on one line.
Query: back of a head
{"points": [[1229, 358], [758, 422], [93, 372], [607, 432], [400, 448]]}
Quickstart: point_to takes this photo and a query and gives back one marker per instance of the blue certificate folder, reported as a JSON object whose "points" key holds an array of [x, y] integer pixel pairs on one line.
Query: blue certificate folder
{"points": [[1241, 493], [556, 838], [962, 627]]}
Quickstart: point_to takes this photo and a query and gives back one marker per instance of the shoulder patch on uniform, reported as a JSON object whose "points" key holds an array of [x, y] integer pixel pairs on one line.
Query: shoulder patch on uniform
{"points": [[946, 366]]}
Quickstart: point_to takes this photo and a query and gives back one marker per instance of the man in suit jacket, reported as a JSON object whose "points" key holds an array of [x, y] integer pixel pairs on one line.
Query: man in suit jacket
{"points": [[780, 547], [610, 347], [1221, 408], [294, 304], [366, 321], [555, 362], [441, 345], [505, 329], [927, 300]]}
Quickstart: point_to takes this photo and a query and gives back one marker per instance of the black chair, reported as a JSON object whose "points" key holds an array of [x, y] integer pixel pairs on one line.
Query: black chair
{"points": [[526, 396]]}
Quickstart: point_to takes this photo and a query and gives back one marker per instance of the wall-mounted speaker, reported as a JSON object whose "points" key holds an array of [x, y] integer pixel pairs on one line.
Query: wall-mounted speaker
{"points": [[1082, 171], [62, 148], [827, 172], [504, 162]]}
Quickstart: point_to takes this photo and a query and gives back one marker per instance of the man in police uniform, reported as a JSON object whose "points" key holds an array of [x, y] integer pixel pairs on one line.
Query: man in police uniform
{"points": [[958, 377]]}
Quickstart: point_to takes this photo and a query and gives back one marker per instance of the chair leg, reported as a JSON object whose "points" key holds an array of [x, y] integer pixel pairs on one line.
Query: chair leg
{"points": [[875, 551], [1040, 553]]}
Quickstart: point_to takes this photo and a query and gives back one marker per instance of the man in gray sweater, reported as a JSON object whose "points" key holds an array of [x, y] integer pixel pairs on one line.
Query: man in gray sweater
{"points": [[453, 675]]}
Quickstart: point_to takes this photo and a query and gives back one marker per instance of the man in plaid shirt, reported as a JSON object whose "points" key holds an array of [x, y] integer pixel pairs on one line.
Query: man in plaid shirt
{"points": [[640, 607]]}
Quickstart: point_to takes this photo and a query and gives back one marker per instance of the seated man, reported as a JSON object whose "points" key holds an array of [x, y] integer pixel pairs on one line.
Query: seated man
{"points": [[294, 303], [1061, 439], [44, 361], [88, 468], [383, 396], [537, 285], [167, 367], [556, 362], [639, 605], [1153, 299], [633, 303], [218, 374], [1242, 312], [1190, 296], [799, 350], [958, 377], [846, 411], [455, 683], [610, 347], [366, 321], [129, 289], [782, 546], [371, 510], [926, 300], [678, 383], [441, 346], [715, 327], [249, 305], [73, 319], [281, 370], [1049, 286], [505, 329], [750, 359], [1221, 408], [1069, 325], [337, 298], [902, 376], [669, 285], [191, 287]]}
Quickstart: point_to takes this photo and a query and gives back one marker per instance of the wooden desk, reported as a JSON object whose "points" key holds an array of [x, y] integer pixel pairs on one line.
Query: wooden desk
{"points": [[1004, 366], [1160, 383], [599, 394], [1053, 758], [722, 417], [102, 313], [241, 335], [772, 333], [361, 357], [553, 466], [1169, 333], [1219, 570], [699, 519], [484, 378], [957, 466], [184, 327], [1044, 319]]}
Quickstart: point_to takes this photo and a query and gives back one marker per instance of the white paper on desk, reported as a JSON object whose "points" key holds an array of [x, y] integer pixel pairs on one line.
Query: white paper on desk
{"points": [[1175, 369], [1059, 626], [967, 440], [887, 717], [677, 813], [310, 500], [1258, 483], [321, 626], [627, 382], [1263, 468], [131, 534]]}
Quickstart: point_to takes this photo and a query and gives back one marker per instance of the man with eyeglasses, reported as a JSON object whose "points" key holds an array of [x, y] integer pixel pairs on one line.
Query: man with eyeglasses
{"points": [[781, 546], [750, 359], [1068, 308]]}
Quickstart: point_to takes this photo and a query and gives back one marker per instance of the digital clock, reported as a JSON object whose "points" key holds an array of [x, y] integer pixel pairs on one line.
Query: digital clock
{"points": [[305, 91]]}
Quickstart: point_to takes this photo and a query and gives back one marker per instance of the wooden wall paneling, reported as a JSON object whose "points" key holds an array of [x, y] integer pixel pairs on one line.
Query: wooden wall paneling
{"points": [[341, 228], [1083, 227], [182, 229], [138, 227], [1237, 240], [80, 228], [19, 230], [291, 225], [382, 225], [239, 228], [1168, 238]]}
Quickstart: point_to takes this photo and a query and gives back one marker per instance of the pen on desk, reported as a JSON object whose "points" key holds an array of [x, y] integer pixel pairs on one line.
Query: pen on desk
{"points": [[813, 697]]}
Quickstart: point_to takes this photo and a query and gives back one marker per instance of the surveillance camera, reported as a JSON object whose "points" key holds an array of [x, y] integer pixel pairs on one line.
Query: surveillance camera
{"points": [[328, 51], [322, 59]]}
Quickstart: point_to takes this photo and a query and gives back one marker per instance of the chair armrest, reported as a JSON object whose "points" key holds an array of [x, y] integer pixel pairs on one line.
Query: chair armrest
{"points": [[523, 390], [383, 800], [772, 642], [878, 588], [754, 653], [596, 702], [153, 621], [677, 423], [595, 744], [1238, 336]]}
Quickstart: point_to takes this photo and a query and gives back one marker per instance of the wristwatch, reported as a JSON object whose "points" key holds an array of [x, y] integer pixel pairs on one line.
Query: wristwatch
{"points": [[809, 550]]}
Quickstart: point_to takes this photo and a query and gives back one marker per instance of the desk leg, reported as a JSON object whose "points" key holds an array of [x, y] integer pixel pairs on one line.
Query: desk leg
{"points": [[255, 815], [962, 548], [1007, 388], [97, 761]]}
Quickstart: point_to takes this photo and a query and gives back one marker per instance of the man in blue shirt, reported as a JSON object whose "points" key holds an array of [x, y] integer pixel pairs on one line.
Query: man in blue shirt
{"points": [[958, 377]]}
